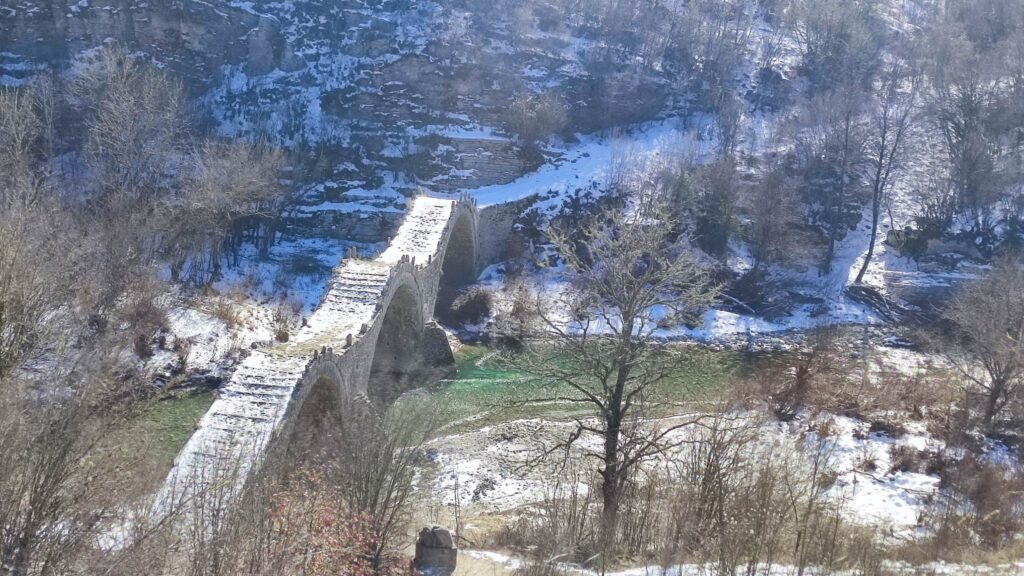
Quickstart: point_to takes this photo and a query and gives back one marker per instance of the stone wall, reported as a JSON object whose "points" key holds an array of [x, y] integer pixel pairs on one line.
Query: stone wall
{"points": [[496, 225], [482, 162]]}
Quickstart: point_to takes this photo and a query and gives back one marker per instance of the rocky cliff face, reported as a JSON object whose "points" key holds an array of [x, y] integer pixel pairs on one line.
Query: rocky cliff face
{"points": [[379, 98], [194, 37]]}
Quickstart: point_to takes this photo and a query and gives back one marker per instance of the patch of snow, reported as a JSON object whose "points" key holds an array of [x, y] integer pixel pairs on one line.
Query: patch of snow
{"points": [[593, 159]]}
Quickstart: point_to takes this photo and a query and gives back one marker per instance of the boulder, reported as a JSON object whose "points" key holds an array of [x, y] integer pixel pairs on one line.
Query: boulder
{"points": [[436, 553]]}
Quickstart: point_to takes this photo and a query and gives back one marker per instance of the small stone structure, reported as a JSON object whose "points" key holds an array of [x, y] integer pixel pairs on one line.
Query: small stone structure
{"points": [[436, 553]]}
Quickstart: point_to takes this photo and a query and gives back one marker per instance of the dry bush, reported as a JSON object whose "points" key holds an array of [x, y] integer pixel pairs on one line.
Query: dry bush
{"points": [[348, 514], [534, 117], [997, 497], [59, 468], [228, 307], [224, 310], [562, 527], [725, 501], [303, 525], [822, 377], [514, 325], [286, 317], [808, 379], [978, 513], [905, 458], [737, 508]]}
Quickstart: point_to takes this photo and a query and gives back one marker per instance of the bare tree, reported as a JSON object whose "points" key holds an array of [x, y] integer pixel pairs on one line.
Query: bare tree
{"points": [[989, 349], [627, 277], [380, 458], [774, 212], [373, 458], [229, 190], [135, 126], [21, 133], [830, 144], [66, 375], [534, 117], [135, 121], [840, 41], [892, 115], [963, 89], [713, 204]]}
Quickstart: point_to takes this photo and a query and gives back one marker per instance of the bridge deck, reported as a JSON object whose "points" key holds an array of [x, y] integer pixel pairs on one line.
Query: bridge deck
{"points": [[252, 406]]}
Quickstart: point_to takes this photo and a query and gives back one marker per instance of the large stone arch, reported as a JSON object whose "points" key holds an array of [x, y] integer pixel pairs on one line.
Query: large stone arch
{"points": [[459, 260], [397, 349]]}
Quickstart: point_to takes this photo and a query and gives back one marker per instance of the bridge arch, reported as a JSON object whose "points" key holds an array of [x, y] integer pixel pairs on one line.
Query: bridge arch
{"points": [[321, 396], [459, 260], [396, 352]]}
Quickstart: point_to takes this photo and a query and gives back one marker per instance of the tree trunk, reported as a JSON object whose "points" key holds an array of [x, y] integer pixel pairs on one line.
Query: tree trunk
{"points": [[610, 484], [612, 474], [992, 403], [876, 206]]}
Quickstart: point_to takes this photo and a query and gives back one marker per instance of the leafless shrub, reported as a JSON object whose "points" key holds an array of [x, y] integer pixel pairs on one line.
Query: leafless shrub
{"points": [[890, 427], [722, 501], [904, 458], [562, 526], [286, 316], [979, 503], [988, 350], [514, 325], [807, 379], [534, 117], [937, 201]]}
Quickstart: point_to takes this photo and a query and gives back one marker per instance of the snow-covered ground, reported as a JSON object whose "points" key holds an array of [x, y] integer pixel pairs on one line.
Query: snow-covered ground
{"points": [[486, 471], [490, 563], [590, 162]]}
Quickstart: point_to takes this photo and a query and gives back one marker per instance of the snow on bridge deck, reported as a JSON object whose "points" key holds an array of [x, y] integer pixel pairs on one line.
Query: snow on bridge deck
{"points": [[271, 383]]}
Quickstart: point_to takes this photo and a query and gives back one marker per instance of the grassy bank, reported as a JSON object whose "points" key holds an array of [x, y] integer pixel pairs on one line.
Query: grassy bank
{"points": [[486, 389], [154, 436]]}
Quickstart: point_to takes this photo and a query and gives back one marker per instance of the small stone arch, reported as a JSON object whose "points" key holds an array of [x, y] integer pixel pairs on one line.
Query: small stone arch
{"points": [[397, 351], [459, 264]]}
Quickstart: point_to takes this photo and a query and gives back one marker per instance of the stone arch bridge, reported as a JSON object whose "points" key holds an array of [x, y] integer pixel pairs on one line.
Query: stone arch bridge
{"points": [[373, 318]]}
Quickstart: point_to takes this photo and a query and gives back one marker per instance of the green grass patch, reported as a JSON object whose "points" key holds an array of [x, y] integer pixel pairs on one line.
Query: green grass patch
{"points": [[159, 431]]}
